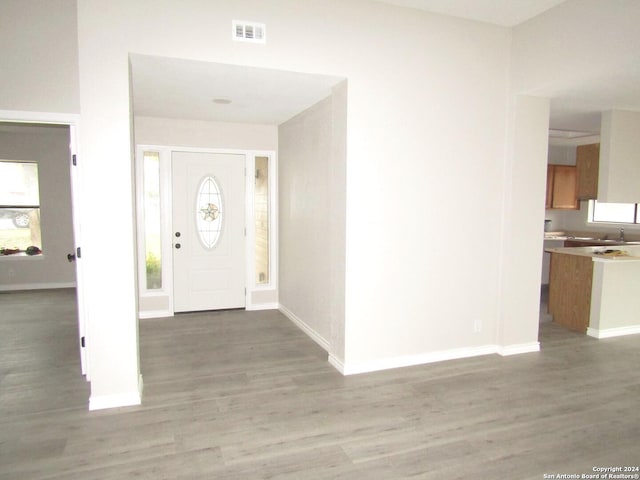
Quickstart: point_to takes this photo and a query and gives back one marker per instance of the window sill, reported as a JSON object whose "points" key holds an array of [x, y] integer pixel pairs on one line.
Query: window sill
{"points": [[20, 255]]}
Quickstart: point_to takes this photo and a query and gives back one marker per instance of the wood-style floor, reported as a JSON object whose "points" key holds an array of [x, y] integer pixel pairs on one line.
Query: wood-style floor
{"points": [[246, 395]]}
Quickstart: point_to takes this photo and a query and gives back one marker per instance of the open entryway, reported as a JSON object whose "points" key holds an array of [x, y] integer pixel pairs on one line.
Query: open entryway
{"points": [[208, 231], [41, 249]]}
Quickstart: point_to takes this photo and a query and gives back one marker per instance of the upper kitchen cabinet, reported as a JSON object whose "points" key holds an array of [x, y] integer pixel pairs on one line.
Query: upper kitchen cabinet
{"points": [[619, 177], [587, 161], [562, 187]]}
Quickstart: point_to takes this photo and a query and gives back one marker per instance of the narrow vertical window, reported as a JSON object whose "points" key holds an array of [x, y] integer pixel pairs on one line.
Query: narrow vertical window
{"points": [[209, 212], [152, 220], [261, 209]]}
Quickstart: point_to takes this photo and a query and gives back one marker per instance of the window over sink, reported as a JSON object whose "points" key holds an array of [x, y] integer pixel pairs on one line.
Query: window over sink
{"points": [[601, 212]]}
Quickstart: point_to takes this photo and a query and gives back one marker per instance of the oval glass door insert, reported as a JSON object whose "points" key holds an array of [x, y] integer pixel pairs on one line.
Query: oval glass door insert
{"points": [[209, 212]]}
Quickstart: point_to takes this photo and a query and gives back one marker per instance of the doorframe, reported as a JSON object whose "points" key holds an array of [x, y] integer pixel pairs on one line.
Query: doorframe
{"points": [[72, 120], [165, 295]]}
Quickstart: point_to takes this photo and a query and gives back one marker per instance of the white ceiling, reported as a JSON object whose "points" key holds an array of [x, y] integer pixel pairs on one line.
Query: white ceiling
{"points": [[178, 88], [507, 13]]}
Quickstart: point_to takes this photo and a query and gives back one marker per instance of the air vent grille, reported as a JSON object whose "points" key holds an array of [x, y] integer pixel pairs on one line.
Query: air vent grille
{"points": [[249, 31]]}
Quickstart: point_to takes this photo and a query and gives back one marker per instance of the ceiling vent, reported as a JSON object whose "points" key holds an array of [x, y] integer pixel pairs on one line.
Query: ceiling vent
{"points": [[249, 31]]}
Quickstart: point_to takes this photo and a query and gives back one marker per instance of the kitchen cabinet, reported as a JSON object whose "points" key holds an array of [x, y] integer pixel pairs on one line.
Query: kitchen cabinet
{"points": [[562, 187], [570, 291], [587, 162]]}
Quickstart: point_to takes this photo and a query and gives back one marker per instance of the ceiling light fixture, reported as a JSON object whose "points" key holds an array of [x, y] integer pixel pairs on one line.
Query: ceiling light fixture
{"points": [[222, 101]]}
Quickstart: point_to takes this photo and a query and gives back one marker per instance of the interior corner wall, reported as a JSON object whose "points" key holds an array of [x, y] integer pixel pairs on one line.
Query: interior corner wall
{"points": [[305, 233], [39, 52], [525, 174], [337, 219], [48, 145]]}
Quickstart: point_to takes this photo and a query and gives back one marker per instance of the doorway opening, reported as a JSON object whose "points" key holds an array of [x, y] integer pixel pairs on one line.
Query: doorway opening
{"points": [[49, 140]]}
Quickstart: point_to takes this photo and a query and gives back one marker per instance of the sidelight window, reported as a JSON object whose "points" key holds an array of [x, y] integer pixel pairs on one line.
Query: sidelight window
{"points": [[152, 220]]}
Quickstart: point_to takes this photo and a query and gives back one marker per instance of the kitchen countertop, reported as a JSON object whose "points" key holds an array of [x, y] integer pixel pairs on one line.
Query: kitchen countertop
{"points": [[630, 253], [591, 238]]}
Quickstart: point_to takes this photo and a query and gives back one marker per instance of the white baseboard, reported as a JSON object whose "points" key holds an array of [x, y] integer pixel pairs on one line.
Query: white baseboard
{"points": [[127, 399], [263, 306], [517, 349], [407, 360], [613, 332], [412, 360], [36, 286], [337, 364], [315, 336], [431, 357], [155, 314]]}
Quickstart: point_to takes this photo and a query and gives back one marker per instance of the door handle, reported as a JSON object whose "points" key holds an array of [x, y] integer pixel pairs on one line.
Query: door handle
{"points": [[71, 257]]}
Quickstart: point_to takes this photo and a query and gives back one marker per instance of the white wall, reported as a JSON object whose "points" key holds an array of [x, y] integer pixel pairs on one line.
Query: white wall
{"points": [[615, 304], [49, 146], [196, 133], [38, 48], [523, 225], [576, 45], [562, 155], [619, 176], [311, 257], [426, 129]]}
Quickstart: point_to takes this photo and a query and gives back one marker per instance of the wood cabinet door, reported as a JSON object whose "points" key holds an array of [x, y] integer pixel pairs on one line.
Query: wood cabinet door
{"points": [[587, 164], [549, 187], [565, 187], [570, 284]]}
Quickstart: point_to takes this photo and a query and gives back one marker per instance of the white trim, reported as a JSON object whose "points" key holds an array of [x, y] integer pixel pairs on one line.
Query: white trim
{"points": [[337, 364], [517, 349], [116, 400], [36, 286], [155, 314], [315, 336], [262, 306], [431, 357], [613, 332], [22, 257], [412, 360], [39, 117]]}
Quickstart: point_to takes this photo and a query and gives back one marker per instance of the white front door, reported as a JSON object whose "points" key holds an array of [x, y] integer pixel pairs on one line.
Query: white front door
{"points": [[208, 231]]}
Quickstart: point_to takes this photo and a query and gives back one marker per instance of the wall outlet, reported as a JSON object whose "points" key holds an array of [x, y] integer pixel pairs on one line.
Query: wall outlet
{"points": [[477, 325]]}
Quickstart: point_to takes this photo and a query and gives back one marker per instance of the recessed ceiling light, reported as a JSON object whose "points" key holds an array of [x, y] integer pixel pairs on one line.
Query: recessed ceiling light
{"points": [[222, 100]]}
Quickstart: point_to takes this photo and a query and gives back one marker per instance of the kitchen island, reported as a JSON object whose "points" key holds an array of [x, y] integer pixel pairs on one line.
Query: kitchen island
{"points": [[596, 290]]}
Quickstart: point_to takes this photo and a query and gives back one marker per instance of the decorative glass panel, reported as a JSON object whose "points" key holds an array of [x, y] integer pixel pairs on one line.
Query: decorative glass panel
{"points": [[152, 220], [209, 212], [261, 209]]}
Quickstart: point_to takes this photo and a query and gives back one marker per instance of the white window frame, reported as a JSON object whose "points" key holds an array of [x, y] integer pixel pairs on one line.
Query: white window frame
{"points": [[591, 211]]}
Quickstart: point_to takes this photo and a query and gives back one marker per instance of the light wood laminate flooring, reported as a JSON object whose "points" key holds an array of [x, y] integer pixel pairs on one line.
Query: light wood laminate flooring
{"points": [[247, 395]]}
